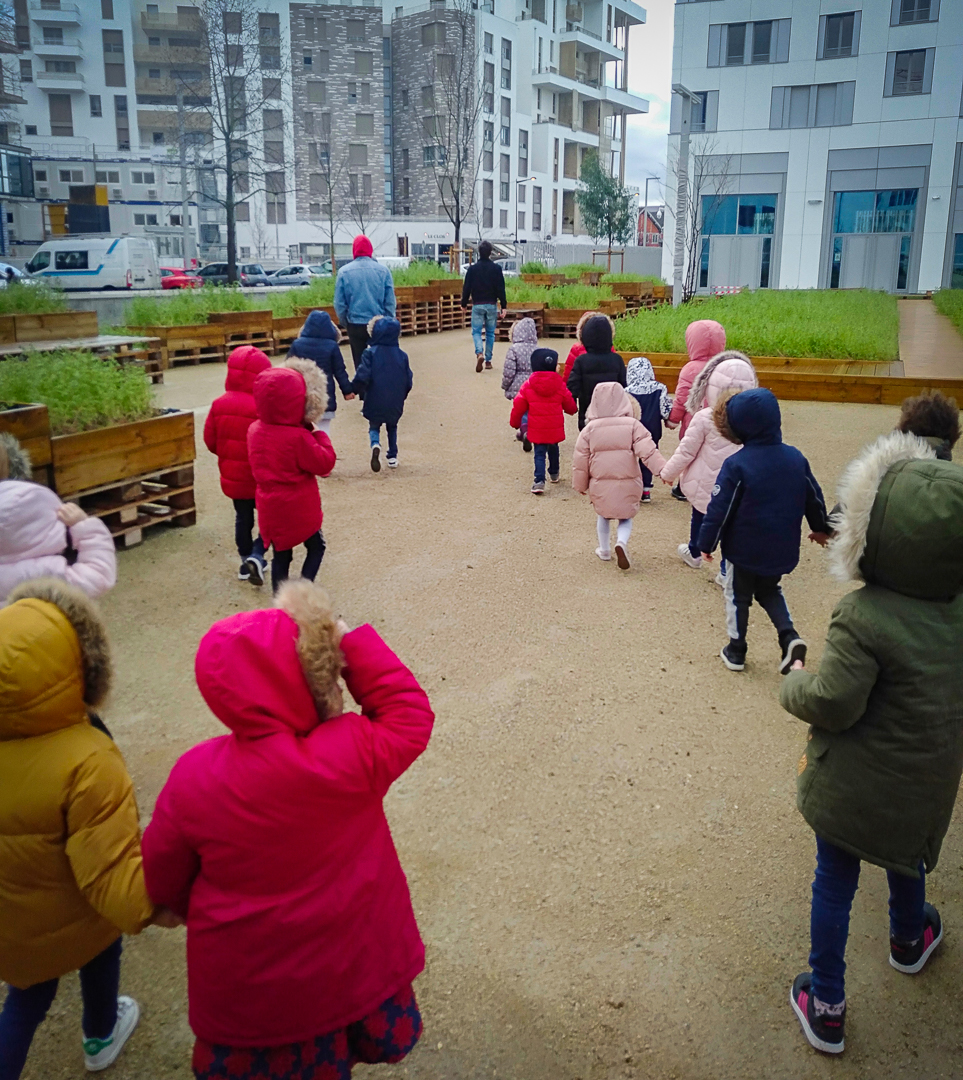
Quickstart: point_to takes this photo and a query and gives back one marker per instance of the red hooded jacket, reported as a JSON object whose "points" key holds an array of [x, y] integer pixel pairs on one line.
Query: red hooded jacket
{"points": [[544, 397], [286, 454], [225, 429], [273, 843]]}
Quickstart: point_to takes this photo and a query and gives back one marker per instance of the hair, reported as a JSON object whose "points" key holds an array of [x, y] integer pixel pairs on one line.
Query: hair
{"points": [[319, 644], [931, 414], [485, 250], [14, 460], [720, 415]]}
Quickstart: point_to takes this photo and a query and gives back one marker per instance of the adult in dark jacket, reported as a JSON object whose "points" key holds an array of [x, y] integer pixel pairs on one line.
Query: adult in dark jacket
{"points": [[761, 495], [596, 365], [318, 341], [384, 379], [884, 755], [484, 288]]}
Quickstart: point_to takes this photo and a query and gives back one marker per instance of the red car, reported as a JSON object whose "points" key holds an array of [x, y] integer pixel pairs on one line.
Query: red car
{"points": [[176, 277]]}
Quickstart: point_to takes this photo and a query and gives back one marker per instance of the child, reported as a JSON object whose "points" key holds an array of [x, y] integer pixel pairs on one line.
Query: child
{"points": [[384, 380], [882, 766], [654, 405], [286, 454], [273, 843], [544, 399], [518, 367], [596, 365], [703, 449], [578, 349], [757, 506], [318, 341], [934, 418], [71, 880], [38, 532], [606, 465], [225, 434]]}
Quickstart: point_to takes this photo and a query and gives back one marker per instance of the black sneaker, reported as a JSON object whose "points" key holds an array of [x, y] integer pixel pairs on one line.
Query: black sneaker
{"points": [[256, 570], [826, 1033], [376, 458], [243, 574], [553, 476], [526, 445], [733, 660], [646, 496], [677, 494], [911, 958], [793, 650]]}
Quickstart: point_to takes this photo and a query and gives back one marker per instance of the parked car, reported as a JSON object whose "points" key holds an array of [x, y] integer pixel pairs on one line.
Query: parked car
{"points": [[509, 266], [176, 277], [299, 274], [123, 262], [248, 274], [10, 273]]}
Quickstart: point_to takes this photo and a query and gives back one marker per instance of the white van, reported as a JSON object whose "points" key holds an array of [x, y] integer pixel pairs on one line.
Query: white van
{"points": [[80, 262]]}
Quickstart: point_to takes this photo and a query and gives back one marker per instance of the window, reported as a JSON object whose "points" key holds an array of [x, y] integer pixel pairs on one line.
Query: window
{"points": [[703, 114], [488, 138], [138, 219], [823, 105], [364, 124], [761, 42], [536, 209], [427, 97], [404, 159], [355, 29], [26, 71], [428, 156], [366, 183], [61, 115], [114, 74], [956, 280], [107, 9], [271, 89], [270, 58], [838, 35], [555, 163], [316, 93], [157, 138], [489, 44], [274, 194], [404, 99], [433, 33], [363, 63], [357, 154], [743, 215], [232, 22], [30, 129], [365, 93], [70, 260], [53, 35], [151, 219], [307, 60], [242, 211], [909, 72], [505, 136], [892, 211], [406, 187], [735, 44], [153, 73], [503, 219], [914, 11], [322, 62], [522, 153], [64, 176], [108, 177], [520, 193], [142, 178]]}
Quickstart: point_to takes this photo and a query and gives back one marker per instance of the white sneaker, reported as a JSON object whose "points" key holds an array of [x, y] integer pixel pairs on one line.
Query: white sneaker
{"points": [[392, 463], [687, 557], [100, 1053], [605, 556], [721, 580], [622, 554]]}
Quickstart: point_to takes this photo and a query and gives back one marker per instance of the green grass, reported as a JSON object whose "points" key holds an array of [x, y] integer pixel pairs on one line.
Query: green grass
{"points": [[650, 278], [33, 299], [421, 273], [320, 293], [186, 307], [577, 296], [80, 391], [949, 302], [573, 270], [855, 324], [524, 292], [533, 268]]}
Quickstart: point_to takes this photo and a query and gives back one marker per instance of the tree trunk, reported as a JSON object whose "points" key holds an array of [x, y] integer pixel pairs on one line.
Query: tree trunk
{"points": [[334, 261], [231, 223]]}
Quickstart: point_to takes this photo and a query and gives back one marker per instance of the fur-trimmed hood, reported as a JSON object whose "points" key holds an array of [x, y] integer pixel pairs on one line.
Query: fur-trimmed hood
{"points": [[899, 523], [14, 460], [292, 394], [384, 330], [728, 370], [597, 334]]}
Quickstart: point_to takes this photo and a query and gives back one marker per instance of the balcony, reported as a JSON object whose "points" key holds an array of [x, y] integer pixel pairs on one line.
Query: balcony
{"points": [[624, 100], [634, 13], [167, 87], [169, 54], [153, 23], [551, 79], [67, 48], [590, 42], [62, 15], [59, 82]]}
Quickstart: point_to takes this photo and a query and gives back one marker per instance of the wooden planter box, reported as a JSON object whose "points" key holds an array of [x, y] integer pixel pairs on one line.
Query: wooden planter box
{"points": [[563, 316], [242, 321], [540, 279], [662, 292], [304, 312], [30, 426], [612, 307], [188, 344], [53, 327], [527, 305], [592, 278], [627, 289], [418, 294], [448, 286]]}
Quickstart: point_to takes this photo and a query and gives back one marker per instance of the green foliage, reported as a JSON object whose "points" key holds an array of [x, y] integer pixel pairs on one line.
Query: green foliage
{"points": [[421, 273], [524, 292], [650, 278], [185, 307], [80, 391], [283, 302], [585, 297], [949, 302], [533, 268], [573, 270], [605, 204], [32, 299], [853, 324]]}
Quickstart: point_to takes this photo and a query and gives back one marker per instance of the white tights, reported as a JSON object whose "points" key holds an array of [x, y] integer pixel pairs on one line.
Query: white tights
{"points": [[623, 533]]}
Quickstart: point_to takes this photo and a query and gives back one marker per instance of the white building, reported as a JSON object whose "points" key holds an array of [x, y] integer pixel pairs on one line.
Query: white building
{"points": [[833, 133]]}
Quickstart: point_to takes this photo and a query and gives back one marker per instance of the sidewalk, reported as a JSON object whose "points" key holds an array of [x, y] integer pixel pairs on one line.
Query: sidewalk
{"points": [[929, 345]]}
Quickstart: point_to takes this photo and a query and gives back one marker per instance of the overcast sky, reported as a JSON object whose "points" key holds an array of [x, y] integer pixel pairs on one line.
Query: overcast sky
{"points": [[650, 74]]}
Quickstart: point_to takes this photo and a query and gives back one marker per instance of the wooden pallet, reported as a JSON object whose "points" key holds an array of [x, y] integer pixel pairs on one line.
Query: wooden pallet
{"points": [[141, 502], [504, 326], [196, 354], [142, 352]]}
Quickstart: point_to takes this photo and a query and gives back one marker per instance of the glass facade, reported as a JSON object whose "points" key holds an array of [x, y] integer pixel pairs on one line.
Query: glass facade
{"points": [[956, 281], [875, 211], [16, 172], [742, 215]]}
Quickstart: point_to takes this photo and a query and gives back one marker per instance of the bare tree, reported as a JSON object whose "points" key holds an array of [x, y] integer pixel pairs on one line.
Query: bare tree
{"points": [[332, 172], [709, 183], [10, 86], [260, 237], [359, 203]]}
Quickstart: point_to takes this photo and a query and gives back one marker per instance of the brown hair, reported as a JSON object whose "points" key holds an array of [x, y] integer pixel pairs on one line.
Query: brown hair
{"points": [[931, 414]]}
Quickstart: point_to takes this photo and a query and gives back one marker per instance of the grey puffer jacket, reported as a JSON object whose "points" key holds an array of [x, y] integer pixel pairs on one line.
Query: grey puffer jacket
{"points": [[518, 359]]}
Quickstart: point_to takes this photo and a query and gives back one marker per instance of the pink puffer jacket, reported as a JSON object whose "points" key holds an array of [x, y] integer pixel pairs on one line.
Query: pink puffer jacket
{"points": [[605, 462], [704, 449], [704, 339], [33, 540]]}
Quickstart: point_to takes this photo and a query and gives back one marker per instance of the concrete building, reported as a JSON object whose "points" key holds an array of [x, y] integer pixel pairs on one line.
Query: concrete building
{"points": [[825, 140]]}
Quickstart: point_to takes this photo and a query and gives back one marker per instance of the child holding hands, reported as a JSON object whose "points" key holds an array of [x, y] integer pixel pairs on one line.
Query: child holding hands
{"points": [[544, 399]]}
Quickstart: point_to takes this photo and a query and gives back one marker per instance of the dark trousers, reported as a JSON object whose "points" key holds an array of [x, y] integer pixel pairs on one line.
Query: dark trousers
{"points": [[24, 1010], [834, 886], [281, 562], [358, 337], [646, 474], [742, 587], [695, 524], [543, 450], [244, 530]]}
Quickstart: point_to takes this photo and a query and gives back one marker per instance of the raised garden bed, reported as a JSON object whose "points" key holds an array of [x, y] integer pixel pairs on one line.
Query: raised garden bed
{"points": [[189, 344], [54, 326], [30, 426]]}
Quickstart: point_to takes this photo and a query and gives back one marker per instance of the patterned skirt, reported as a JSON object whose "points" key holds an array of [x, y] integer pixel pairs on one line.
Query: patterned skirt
{"points": [[384, 1036]]}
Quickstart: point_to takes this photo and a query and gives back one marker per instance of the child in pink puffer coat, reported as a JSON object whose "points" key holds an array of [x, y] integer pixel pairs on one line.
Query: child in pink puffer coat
{"points": [[697, 461]]}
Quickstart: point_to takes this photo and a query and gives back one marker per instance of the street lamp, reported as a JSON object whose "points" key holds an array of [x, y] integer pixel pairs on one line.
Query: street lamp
{"points": [[524, 180]]}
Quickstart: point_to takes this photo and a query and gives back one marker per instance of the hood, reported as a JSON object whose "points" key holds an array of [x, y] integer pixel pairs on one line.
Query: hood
{"points": [[640, 377], [704, 339], [361, 247], [384, 331], [754, 417], [597, 334], [318, 324], [29, 526], [524, 332], [54, 658], [243, 366], [14, 460], [290, 394], [544, 360], [583, 319], [900, 520], [729, 370], [609, 399]]}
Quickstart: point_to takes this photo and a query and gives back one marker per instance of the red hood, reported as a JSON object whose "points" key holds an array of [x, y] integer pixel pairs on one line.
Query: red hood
{"points": [[248, 672], [279, 395], [243, 366], [704, 339], [361, 246]]}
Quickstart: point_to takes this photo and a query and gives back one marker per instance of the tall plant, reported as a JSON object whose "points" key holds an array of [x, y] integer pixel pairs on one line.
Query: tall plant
{"points": [[604, 203]]}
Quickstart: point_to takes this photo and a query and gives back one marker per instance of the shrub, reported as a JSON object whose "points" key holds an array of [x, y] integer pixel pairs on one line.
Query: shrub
{"points": [[574, 269], [421, 273], [585, 297], [80, 391], [533, 268], [949, 302], [524, 292], [650, 278], [31, 299], [187, 307], [320, 293]]}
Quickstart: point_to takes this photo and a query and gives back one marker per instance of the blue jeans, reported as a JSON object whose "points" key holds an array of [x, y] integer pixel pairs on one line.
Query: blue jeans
{"points": [[483, 317], [244, 527], [24, 1010], [835, 884], [543, 449], [374, 437]]}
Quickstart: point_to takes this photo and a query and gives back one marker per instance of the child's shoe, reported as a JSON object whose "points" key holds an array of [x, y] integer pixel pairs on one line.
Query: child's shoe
{"points": [[392, 463], [793, 650], [526, 445], [257, 570], [677, 494], [622, 556], [721, 580], [911, 957], [688, 558], [376, 458], [647, 495], [605, 556], [243, 574], [825, 1032], [553, 476], [733, 660], [100, 1053], [538, 488]]}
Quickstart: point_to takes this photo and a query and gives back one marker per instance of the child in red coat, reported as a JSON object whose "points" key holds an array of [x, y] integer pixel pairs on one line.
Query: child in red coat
{"points": [[225, 434], [272, 842], [287, 453], [545, 398]]}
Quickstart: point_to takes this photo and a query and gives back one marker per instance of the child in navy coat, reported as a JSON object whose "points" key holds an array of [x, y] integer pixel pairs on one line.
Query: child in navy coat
{"points": [[655, 403], [384, 380], [318, 341]]}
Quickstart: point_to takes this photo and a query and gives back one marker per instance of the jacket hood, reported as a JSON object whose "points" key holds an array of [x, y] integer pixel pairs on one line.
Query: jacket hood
{"points": [[583, 319], [28, 522], [900, 520], [704, 339], [318, 324], [609, 399], [384, 330], [524, 332], [754, 417], [361, 247], [544, 360], [54, 658], [290, 394], [597, 334], [14, 460], [730, 370], [243, 367]]}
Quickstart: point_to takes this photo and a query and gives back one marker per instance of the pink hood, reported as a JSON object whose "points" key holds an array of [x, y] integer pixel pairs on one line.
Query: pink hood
{"points": [[609, 399], [704, 339], [728, 371]]}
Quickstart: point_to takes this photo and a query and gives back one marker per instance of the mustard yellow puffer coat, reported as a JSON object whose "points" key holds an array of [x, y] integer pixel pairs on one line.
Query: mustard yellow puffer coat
{"points": [[70, 865]]}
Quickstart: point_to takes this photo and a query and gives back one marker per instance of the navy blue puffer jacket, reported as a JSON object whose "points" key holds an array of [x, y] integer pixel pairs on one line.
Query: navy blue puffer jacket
{"points": [[384, 377], [319, 342]]}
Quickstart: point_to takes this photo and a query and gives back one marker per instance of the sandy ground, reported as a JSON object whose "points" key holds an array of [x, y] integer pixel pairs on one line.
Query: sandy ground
{"points": [[602, 843]]}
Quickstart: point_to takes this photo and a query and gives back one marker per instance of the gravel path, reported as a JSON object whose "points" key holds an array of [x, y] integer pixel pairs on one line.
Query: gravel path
{"points": [[602, 842]]}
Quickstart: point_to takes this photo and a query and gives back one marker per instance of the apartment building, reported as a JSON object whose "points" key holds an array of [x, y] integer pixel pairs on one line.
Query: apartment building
{"points": [[826, 137]]}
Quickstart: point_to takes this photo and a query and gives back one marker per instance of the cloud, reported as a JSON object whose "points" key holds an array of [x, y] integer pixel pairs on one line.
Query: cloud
{"points": [[650, 74]]}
